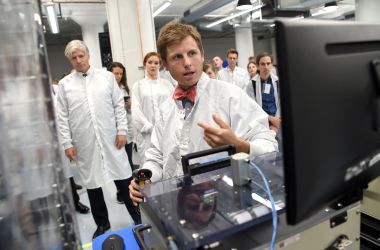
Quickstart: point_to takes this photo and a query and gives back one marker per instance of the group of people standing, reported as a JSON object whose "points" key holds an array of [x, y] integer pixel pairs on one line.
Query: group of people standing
{"points": [[97, 113], [259, 81]]}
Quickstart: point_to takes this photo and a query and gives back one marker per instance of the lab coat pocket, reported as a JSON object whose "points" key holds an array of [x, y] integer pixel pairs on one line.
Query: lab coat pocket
{"points": [[143, 142]]}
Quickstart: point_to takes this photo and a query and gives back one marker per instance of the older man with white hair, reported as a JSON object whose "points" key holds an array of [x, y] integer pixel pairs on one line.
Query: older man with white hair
{"points": [[93, 126]]}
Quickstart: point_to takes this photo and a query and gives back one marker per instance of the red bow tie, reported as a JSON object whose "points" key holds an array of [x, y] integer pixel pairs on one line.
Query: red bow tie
{"points": [[180, 93]]}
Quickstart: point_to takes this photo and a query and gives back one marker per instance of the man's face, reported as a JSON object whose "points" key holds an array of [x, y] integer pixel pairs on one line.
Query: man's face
{"points": [[80, 61], [232, 60], [184, 61], [265, 67], [217, 61]]}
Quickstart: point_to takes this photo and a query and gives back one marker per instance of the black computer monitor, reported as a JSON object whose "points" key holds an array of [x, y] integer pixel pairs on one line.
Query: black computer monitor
{"points": [[330, 104]]}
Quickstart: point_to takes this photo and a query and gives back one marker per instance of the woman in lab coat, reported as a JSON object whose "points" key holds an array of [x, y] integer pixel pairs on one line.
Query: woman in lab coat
{"points": [[147, 96], [118, 70], [252, 69]]}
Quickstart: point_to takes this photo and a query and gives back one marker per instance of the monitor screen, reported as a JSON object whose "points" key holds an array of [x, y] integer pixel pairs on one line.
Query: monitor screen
{"points": [[330, 108]]}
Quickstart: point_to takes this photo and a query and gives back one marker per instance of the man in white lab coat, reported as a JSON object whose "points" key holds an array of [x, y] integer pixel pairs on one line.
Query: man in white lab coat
{"points": [[93, 126], [234, 74], [263, 88], [202, 112], [79, 206]]}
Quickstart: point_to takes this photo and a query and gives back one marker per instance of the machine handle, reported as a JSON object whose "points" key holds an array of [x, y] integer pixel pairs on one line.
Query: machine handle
{"points": [[187, 168], [137, 231]]}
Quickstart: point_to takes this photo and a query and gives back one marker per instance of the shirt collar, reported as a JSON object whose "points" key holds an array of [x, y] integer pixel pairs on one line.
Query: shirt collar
{"points": [[230, 70], [82, 74], [148, 79], [269, 80]]}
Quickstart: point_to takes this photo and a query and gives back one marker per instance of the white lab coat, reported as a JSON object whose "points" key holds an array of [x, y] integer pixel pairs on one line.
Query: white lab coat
{"points": [[238, 76], [165, 74], [258, 97], [90, 115], [147, 96], [65, 161], [174, 136]]}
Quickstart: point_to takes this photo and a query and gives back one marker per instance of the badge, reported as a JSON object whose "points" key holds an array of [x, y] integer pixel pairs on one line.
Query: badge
{"points": [[267, 88]]}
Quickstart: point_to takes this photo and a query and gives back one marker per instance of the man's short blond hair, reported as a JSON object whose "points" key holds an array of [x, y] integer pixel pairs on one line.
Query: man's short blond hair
{"points": [[75, 45], [173, 33]]}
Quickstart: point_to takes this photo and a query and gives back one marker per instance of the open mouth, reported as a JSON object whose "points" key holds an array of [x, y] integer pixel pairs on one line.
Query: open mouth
{"points": [[189, 74]]}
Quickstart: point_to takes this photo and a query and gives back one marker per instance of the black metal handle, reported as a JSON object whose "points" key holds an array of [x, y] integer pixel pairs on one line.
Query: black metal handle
{"points": [[192, 169], [137, 231]]}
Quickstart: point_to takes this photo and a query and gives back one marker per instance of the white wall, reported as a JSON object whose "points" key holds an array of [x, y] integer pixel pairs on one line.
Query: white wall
{"points": [[265, 45], [217, 47], [262, 45]]}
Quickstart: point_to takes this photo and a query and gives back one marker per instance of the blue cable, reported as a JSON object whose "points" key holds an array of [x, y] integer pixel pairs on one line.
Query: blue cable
{"points": [[274, 211]]}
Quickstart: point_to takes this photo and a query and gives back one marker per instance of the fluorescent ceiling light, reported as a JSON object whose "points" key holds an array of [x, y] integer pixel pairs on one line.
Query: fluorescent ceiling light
{"points": [[162, 8], [233, 16], [52, 18]]}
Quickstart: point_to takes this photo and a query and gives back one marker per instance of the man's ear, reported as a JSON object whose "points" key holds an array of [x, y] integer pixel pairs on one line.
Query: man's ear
{"points": [[164, 63]]}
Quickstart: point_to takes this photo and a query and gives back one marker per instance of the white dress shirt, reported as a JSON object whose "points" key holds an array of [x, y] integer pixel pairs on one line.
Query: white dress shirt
{"points": [[238, 76]]}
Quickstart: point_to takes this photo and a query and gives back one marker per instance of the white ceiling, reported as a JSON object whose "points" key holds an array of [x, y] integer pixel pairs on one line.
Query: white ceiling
{"points": [[178, 7], [175, 11]]}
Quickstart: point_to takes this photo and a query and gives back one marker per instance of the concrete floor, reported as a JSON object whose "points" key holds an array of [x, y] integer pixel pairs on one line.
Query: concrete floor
{"points": [[118, 213]]}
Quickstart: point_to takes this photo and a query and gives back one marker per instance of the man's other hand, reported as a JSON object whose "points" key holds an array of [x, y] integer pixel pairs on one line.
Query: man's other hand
{"points": [[274, 123], [120, 141], [71, 153]]}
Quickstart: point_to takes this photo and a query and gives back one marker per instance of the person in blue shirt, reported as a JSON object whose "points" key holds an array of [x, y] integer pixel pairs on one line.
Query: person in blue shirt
{"points": [[263, 88]]}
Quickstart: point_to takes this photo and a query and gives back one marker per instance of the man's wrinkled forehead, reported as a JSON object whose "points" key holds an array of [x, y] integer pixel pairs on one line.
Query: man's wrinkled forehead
{"points": [[178, 42], [78, 51]]}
